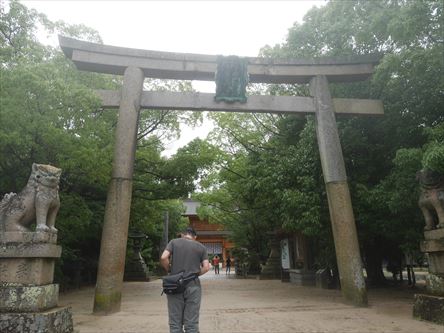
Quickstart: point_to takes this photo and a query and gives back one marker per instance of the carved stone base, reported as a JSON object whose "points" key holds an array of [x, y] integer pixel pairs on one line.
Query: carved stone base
{"points": [[434, 234], [322, 278], [27, 271], [285, 275], [436, 262], [28, 237], [435, 284], [433, 245], [430, 308], [271, 270], [27, 263], [58, 320], [136, 271], [302, 277], [30, 250], [28, 298]]}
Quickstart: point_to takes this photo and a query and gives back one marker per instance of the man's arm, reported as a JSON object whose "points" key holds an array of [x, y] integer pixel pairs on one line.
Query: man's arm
{"points": [[165, 260], [204, 267]]}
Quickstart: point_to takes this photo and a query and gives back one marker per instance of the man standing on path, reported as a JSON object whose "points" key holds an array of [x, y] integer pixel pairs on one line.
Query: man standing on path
{"points": [[190, 257]]}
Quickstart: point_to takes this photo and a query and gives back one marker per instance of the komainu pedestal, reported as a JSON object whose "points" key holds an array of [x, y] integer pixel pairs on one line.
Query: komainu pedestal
{"points": [[430, 306], [28, 296]]}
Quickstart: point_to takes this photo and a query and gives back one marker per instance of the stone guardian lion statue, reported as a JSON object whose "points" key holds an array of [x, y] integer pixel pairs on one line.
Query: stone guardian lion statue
{"points": [[431, 199], [38, 201]]}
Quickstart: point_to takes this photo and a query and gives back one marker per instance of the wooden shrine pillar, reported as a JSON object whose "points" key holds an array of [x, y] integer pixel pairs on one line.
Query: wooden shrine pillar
{"points": [[118, 203], [339, 201]]}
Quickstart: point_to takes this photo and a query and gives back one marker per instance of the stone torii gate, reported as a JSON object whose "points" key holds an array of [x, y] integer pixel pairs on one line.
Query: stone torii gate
{"points": [[135, 65]]}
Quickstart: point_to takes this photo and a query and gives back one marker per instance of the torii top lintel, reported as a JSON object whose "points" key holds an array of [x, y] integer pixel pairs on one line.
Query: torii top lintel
{"points": [[186, 66]]}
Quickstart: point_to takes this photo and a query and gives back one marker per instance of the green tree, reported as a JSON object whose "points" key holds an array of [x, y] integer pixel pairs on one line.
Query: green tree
{"points": [[276, 159], [49, 114]]}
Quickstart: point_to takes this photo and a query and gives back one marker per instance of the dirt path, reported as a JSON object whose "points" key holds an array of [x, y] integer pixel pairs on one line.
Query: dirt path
{"points": [[251, 306]]}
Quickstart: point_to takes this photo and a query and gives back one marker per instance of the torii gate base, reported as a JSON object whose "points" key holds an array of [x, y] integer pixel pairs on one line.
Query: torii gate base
{"points": [[137, 64]]}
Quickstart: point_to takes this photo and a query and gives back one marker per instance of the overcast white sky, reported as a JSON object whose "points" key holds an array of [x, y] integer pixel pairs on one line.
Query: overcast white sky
{"points": [[209, 27]]}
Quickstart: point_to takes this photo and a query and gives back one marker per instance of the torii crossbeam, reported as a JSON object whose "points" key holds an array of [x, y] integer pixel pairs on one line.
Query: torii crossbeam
{"points": [[135, 65]]}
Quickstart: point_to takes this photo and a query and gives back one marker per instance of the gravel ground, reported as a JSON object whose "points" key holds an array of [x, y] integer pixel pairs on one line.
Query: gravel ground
{"points": [[232, 305]]}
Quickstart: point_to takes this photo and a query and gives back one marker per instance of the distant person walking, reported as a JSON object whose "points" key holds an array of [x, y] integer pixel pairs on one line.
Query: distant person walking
{"points": [[188, 256], [228, 265], [216, 264]]}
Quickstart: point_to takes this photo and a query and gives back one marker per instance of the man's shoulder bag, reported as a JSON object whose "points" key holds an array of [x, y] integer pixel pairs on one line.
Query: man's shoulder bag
{"points": [[176, 283]]}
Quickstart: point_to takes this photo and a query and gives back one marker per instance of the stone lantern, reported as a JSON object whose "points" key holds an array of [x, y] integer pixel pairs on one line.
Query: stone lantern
{"points": [[136, 268]]}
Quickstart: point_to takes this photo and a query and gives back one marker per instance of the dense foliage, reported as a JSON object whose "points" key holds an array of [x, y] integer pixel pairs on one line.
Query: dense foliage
{"points": [[256, 173], [50, 115], [271, 178]]}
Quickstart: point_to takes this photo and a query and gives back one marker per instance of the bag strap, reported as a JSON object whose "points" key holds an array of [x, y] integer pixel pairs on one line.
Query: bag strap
{"points": [[190, 277], [172, 254]]}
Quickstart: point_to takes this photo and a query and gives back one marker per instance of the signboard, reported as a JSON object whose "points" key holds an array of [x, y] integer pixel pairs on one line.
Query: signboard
{"points": [[285, 254], [231, 79]]}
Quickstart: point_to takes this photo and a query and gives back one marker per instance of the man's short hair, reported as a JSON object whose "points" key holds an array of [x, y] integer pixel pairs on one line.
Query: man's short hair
{"points": [[190, 231]]}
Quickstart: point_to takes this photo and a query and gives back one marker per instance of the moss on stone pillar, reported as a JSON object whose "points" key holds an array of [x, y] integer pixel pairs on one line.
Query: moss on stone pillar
{"points": [[107, 303]]}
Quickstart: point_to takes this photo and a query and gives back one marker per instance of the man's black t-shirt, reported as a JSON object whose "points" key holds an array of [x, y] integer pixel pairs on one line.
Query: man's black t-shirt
{"points": [[187, 255]]}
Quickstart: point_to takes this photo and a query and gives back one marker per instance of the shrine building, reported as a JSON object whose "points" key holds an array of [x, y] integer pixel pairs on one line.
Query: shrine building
{"points": [[212, 235]]}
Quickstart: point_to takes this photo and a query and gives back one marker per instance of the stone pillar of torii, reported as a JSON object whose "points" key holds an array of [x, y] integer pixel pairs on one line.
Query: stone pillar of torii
{"points": [[135, 65]]}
